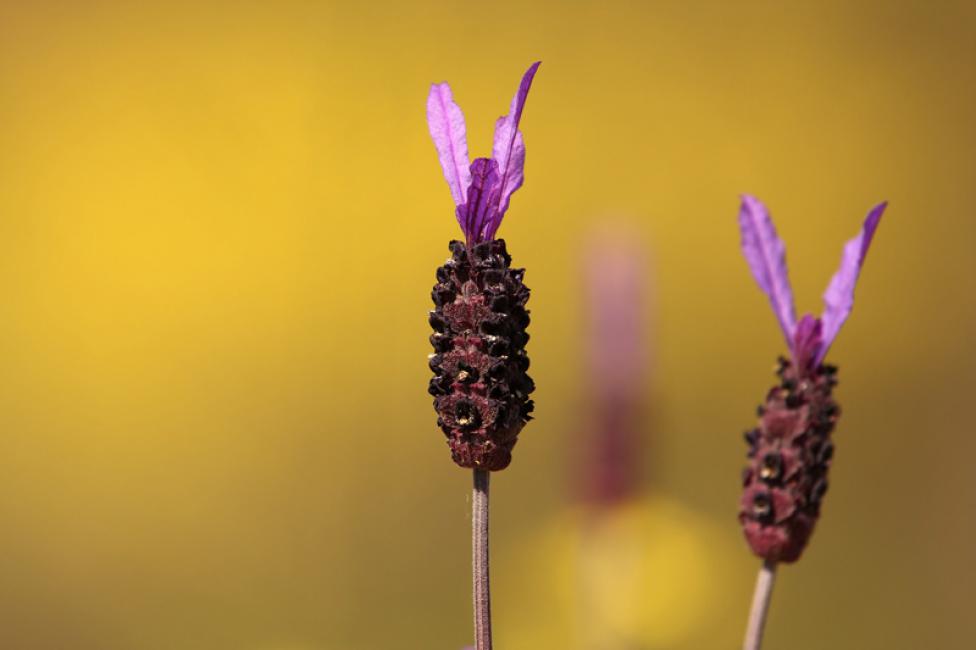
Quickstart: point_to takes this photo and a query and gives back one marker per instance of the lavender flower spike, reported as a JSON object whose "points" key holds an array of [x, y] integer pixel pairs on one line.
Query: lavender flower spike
{"points": [[790, 451], [480, 386], [481, 194]]}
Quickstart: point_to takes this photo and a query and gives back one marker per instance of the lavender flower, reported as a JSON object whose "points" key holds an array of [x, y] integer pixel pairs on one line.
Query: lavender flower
{"points": [[480, 385], [790, 451], [617, 351]]}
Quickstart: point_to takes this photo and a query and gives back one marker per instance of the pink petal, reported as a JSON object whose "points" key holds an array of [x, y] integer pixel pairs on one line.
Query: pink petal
{"points": [[766, 255], [839, 297], [509, 155], [446, 123]]}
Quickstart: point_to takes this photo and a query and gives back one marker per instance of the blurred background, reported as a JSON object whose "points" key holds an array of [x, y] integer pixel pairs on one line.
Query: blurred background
{"points": [[219, 224]]}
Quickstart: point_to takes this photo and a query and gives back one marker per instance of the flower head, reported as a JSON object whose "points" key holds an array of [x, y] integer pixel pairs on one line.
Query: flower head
{"points": [[480, 384], [790, 450], [482, 189]]}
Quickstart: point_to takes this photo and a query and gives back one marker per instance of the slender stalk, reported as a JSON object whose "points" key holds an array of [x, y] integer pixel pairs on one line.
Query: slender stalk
{"points": [[760, 606], [479, 561]]}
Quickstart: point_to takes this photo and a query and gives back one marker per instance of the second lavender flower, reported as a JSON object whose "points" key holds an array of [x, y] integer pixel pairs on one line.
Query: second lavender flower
{"points": [[790, 451]]}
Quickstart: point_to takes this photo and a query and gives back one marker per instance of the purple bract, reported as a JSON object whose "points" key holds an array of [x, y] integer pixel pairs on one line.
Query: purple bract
{"points": [[811, 337], [481, 190]]}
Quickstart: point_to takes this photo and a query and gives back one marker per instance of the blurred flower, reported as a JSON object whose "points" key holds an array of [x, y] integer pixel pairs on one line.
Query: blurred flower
{"points": [[617, 356], [790, 451], [480, 385], [618, 567]]}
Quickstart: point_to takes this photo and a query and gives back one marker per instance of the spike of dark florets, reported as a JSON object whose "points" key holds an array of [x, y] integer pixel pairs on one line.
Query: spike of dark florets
{"points": [[480, 386], [790, 454]]}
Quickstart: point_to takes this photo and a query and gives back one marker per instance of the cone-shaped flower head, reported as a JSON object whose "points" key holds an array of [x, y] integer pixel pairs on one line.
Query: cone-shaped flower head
{"points": [[790, 450], [480, 385]]}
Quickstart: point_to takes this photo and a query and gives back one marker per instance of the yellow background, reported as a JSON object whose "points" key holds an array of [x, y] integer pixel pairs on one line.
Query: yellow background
{"points": [[219, 224]]}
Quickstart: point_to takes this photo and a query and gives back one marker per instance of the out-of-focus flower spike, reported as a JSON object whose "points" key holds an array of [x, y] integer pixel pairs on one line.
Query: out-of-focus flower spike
{"points": [[508, 149], [791, 448], [766, 255], [839, 297], [446, 123], [617, 358]]}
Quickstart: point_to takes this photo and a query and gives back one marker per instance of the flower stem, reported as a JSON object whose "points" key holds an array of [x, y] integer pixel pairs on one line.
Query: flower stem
{"points": [[760, 606], [479, 561]]}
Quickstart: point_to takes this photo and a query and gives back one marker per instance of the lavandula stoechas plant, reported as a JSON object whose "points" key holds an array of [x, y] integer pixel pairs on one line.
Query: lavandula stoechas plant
{"points": [[480, 385], [614, 412], [790, 450]]}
